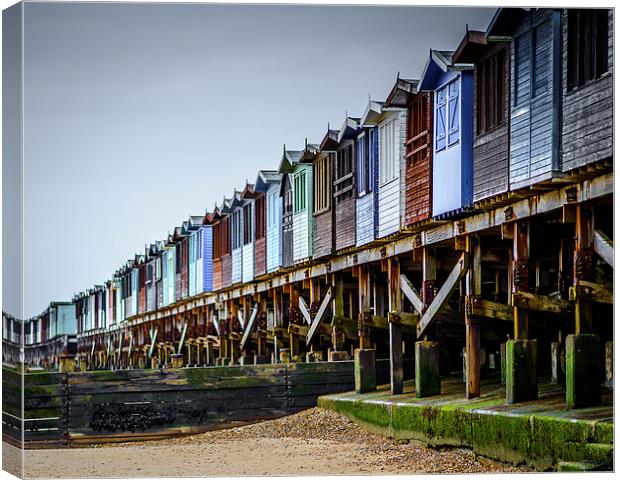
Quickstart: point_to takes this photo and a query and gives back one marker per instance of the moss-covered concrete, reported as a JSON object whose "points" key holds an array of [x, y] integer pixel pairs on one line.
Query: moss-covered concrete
{"points": [[521, 370], [543, 433], [583, 370]]}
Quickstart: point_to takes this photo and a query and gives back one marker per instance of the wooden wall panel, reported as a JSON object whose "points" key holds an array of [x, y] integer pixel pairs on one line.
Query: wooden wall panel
{"points": [[418, 183], [587, 117], [344, 218], [323, 234], [260, 256]]}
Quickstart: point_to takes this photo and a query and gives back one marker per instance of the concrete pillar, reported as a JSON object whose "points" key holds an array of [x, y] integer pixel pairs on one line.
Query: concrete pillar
{"points": [[66, 364], [521, 371], [314, 357], [83, 365], [153, 363], [261, 359], [609, 364], [557, 372], [427, 379], [141, 361], [338, 356], [583, 370], [285, 355], [177, 360], [502, 363], [365, 370], [246, 360]]}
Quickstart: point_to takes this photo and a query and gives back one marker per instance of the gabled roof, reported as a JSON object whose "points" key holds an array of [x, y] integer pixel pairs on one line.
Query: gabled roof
{"points": [[438, 62], [330, 141], [473, 46], [505, 20], [309, 152], [349, 128], [194, 221], [236, 200], [372, 114], [248, 192], [290, 158], [402, 90], [264, 179]]}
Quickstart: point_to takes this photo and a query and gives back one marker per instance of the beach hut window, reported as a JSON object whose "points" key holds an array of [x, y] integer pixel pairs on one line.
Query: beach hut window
{"points": [[300, 191], [440, 120], [236, 230], [588, 35], [454, 112], [247, 224], [363, 162], [388, 162], [491, 92], [259, 207], [322, 191]]}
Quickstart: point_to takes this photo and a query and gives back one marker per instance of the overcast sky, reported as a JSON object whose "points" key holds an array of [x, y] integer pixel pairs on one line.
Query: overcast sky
{"points": [[137, 116]]}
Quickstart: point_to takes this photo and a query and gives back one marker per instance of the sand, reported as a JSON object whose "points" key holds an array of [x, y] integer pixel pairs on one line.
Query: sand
{"points": [[314, 442]]}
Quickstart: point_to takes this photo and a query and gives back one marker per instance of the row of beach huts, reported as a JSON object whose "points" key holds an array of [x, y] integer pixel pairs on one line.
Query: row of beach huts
{"points": [[522, 108]]}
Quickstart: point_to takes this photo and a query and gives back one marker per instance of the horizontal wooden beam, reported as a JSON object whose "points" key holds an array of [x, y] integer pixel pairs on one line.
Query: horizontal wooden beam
{"points": [[592, 291], [524, 208], [495, 310], [542, 303]]}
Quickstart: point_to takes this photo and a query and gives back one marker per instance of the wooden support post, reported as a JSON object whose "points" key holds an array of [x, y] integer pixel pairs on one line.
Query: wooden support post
{"points": [[429, 275], [293, 305], [520, 269], [472, 325], [583, 266], [395, 327], [364, 306]]}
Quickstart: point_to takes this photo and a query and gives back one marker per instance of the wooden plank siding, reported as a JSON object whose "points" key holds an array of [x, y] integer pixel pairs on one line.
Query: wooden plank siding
{"points": [[344, 186], [587, 111], [491, 112], [323, 213], [302, 212], [274, 227], [418, 158], [535, 97], [391, 198]]}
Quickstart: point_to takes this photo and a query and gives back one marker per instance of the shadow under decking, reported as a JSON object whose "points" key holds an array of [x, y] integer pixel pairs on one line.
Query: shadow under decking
{"points": [[542, 433]]}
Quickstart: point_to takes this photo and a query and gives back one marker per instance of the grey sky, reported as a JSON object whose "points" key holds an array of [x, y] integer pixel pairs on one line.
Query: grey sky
{"points": [[138, 115]]}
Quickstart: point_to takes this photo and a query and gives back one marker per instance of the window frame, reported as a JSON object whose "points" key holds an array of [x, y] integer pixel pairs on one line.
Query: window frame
{"points": [[596, 39], [491, 91]]}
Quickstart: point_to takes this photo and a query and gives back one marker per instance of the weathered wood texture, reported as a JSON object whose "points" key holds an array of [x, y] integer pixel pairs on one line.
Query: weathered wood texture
{"points": [[535, 93], [418, 159], [491, 147], [226, 271], [323, 234], [587, 115], [81, 408], [345, 223], [217, 274], [260, 256], [44, 396]]}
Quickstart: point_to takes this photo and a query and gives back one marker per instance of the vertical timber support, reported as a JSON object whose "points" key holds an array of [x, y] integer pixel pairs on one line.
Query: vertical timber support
{"points": [[395, 327], [364, 306], [521, 353], [472, 325], [293, 318]]}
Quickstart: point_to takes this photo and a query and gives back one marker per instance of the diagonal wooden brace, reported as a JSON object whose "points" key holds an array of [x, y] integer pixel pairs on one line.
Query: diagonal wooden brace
{"points": [[182, 340], [153, 335], [319, 316], [411, 293], [604, 247], [305, 311], [444, 293], [250, 325]]}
